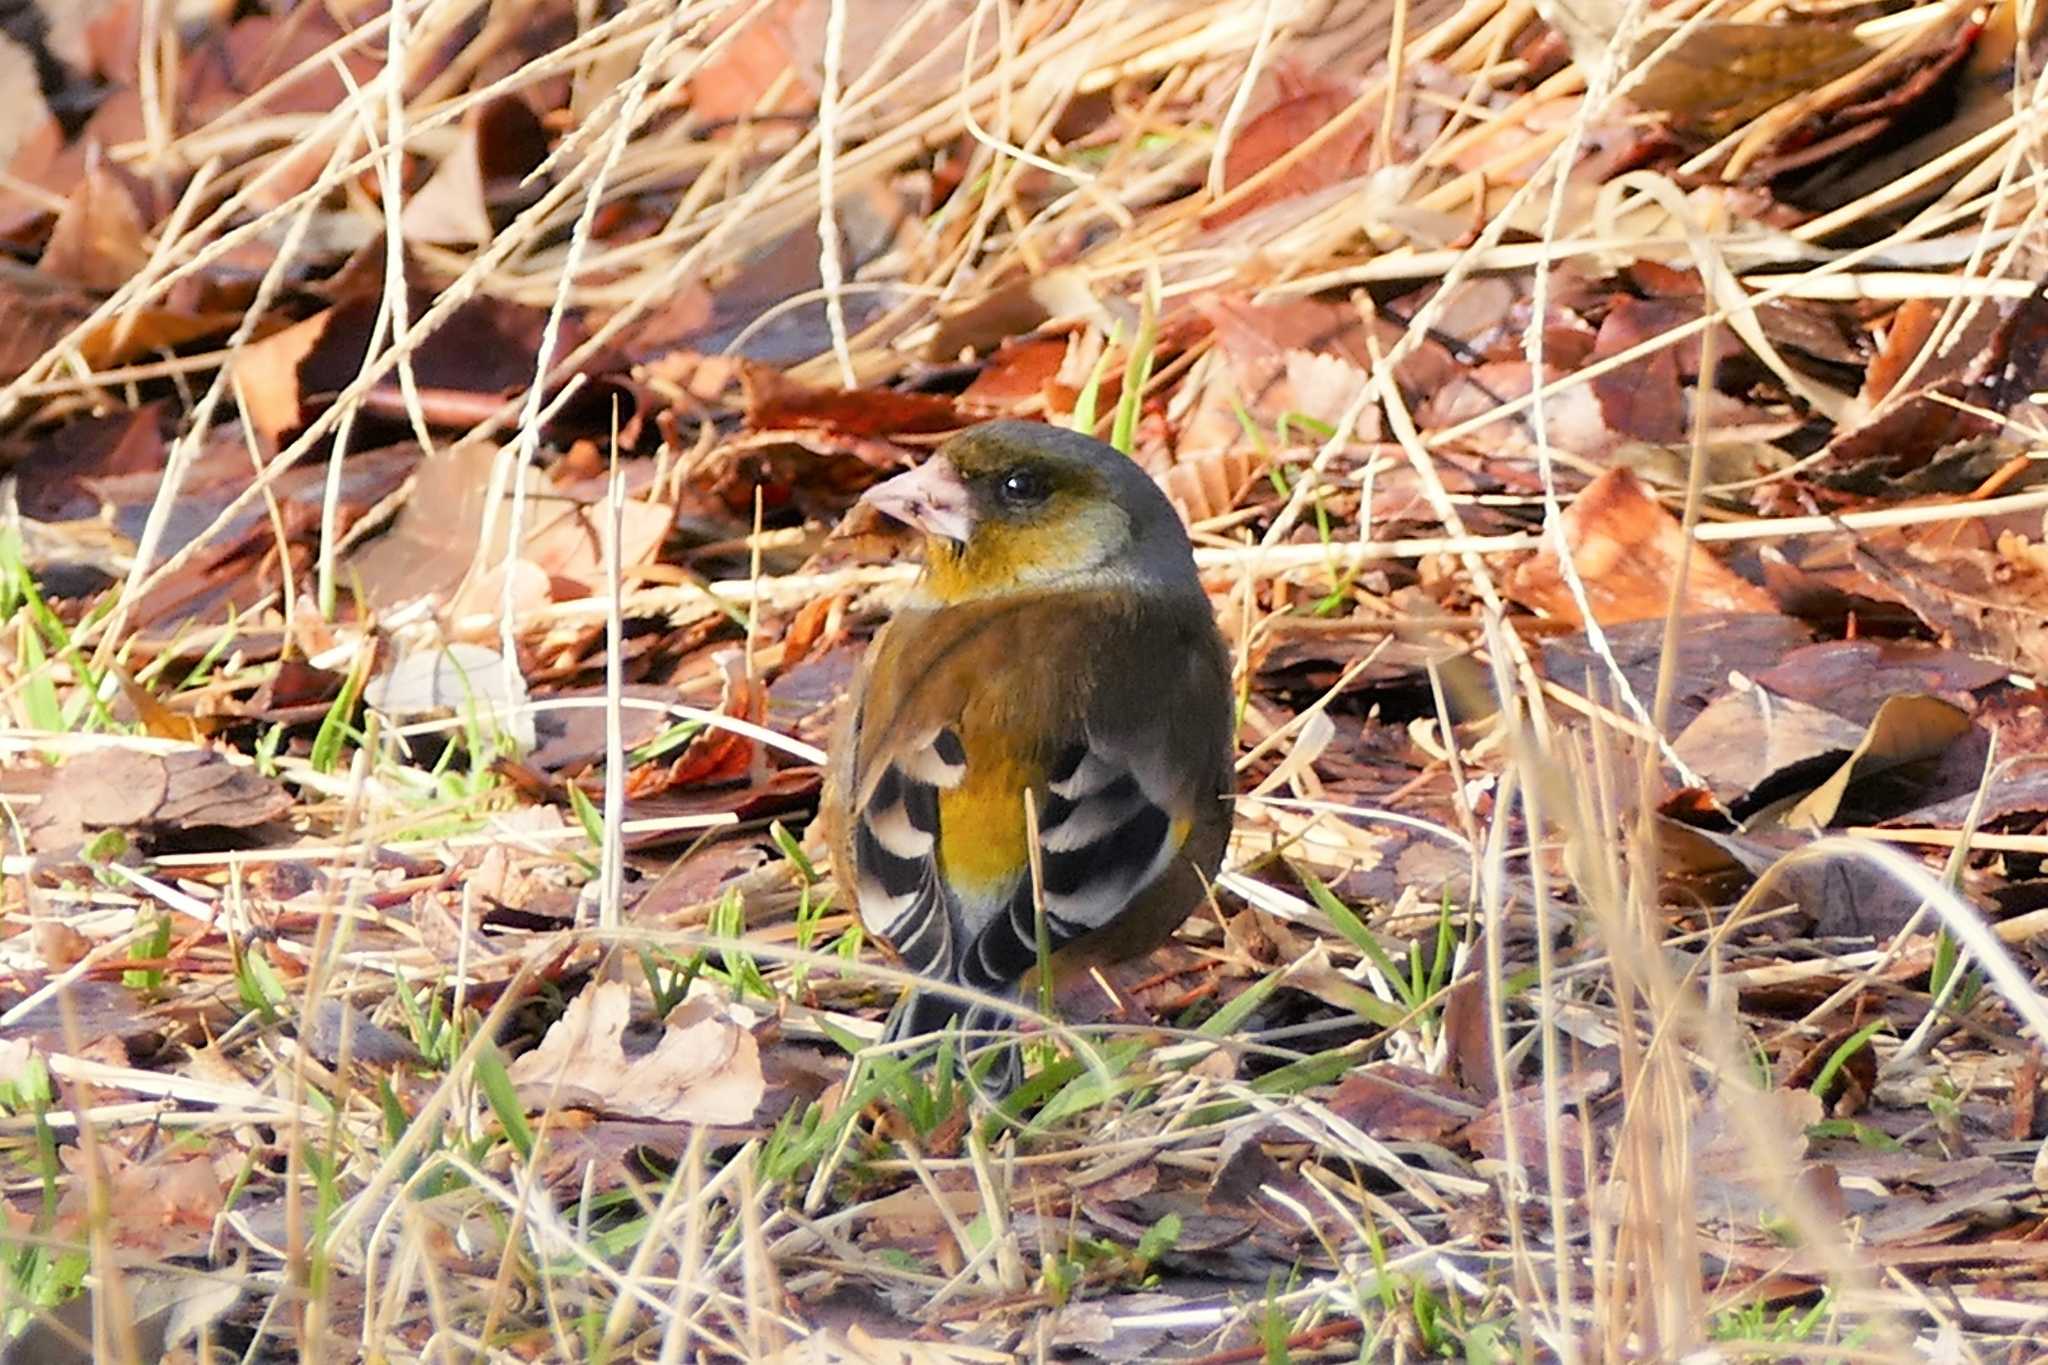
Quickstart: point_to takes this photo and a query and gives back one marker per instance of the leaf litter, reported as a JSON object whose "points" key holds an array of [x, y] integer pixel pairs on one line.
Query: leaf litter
{"points": [[1610, 446]]}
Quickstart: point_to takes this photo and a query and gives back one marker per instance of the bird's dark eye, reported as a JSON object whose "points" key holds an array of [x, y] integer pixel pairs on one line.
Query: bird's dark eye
{"points": [[1023, 487]]}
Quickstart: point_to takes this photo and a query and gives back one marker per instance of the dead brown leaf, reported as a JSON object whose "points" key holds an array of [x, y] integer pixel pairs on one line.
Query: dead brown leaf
{"points": [[164, 1203], [1306, 104], [705, 1068], [1627, 550], [501, 143], [1721, 75], [1748, 736], [150, 795], [98, 240], [777, 403]]}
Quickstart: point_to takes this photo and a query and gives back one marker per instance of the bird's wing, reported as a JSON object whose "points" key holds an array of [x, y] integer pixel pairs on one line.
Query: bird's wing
{"points": [[894, 840], [1120, 776]]}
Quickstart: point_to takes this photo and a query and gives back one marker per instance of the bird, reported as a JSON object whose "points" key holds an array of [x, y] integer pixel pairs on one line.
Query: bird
{"points": [[1057, 646]]}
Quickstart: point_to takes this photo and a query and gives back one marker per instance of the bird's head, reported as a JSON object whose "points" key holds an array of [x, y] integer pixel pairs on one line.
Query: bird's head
{"points": [[1021, 506]]}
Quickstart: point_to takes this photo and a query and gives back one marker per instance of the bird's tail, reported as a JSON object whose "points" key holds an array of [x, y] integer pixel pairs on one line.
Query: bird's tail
{"points": [[926, 1014]]}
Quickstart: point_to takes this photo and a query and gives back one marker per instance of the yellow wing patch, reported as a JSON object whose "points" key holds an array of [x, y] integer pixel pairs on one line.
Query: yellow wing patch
{"points": [[981, 823]]}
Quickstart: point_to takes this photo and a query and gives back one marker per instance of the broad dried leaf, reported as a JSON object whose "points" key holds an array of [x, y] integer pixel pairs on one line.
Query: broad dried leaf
{"points": [[1710, 649], [1991, 370], [51, 470], [146, 331], [158, 720], [100, 1011], [1299, 114], [717, 755], [1643, 399], [163, 1203], [1749, 736], [1401, 1104], [1574, 419], [1840, 895], [1853, 678], [500, 144], [1210, 485], [466, 681], [567, 543], [1005, 311], [1738, 1137], [152, 794], [335, 1029], [1627, 550], [41, 311], [1721, 75], [1524, 1113], [432, 544], [752, 63], [777, 403], [1017, 377], [98, 238], [706, 1068], [266, 375], [1905, 730]]}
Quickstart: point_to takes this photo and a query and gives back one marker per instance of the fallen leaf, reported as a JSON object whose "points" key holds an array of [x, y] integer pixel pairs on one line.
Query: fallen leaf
{"points": [[266, 374], [165, 1203], [25, 109], [99, 1011], [167, 1308], [571, 737], [158, 720], [1574, 419], [149, 795], [1401, 1104], [51, 469], [41, 311], [1524, 1112], [1710, 648], [1016, 378], [1905, 730], [335, 1029], [1839, 894], [1627, 550], [501, 142], [567, 543], [717, 754], [98, 240], [1749, 736], [777, 403], [1307, 105], [1970, 382], [1719, 75], [1643, 399], [1732, 1182], [1853, 678], [432, 543], [466, 681], [1210, 485], [705, 1069]]}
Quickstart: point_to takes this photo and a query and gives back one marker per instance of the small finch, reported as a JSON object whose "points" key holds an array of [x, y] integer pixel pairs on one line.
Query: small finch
{"points": [[1058, 647]]}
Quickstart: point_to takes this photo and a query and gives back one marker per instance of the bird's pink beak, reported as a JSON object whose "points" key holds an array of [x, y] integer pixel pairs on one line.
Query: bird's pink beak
{"points": [[931, 497]]}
